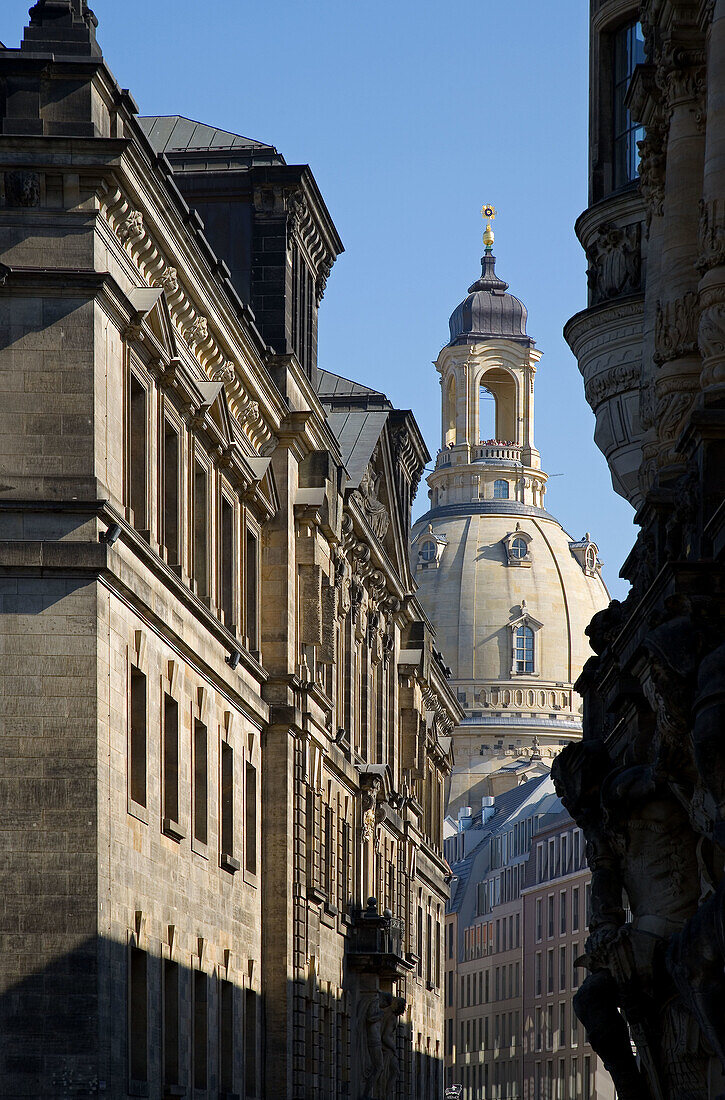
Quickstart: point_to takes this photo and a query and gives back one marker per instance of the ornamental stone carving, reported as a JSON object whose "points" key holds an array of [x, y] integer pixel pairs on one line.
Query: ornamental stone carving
{"points": [[169, 280], [676, 328], [671, 411], [368, 499], [22, 189], [132, 228], [606, 385], [711, 234], [652, 171], [198, 331], [614, 262]]}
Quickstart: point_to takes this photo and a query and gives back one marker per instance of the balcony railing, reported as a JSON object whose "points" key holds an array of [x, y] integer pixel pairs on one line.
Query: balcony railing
{"points": [[376, 942], [510, 451]]}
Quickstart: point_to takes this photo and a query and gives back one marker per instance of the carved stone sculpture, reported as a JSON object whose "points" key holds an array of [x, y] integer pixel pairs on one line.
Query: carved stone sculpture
{"points": [[614, 262], [367, 496]]}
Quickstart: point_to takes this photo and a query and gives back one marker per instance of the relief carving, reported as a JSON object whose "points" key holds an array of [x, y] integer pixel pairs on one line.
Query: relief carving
{"points": [[676, 328], [614, 262], [609, 383], [711, 235], [367, 497], [22, 189], [652, 171], [672, 408], [132, 228]]}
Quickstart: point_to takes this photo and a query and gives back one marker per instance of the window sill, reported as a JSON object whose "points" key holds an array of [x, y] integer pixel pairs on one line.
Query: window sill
{"points": [[316, 895], [229, 863], [200, 848], [173, 830], [138, 1088], [135, 809], [250, 877]]}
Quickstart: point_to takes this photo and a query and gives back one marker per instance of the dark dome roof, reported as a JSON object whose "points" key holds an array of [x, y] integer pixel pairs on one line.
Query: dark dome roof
{"points": [[488, 310]]}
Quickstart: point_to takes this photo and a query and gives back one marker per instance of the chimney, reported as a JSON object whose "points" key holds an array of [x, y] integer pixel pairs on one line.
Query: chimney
{"points": [[465, 817], [487, 808]]}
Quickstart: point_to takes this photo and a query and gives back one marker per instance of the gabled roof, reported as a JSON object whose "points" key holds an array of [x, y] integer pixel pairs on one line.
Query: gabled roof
{"points": [[333, 387], [357, 416]]}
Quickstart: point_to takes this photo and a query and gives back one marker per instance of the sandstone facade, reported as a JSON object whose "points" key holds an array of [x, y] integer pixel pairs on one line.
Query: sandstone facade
{"points": [[225, 727]]}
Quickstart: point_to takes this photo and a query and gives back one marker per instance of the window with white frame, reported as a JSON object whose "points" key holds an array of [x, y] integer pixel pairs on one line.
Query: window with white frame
{"points": [[500, 489], [523, 648]]}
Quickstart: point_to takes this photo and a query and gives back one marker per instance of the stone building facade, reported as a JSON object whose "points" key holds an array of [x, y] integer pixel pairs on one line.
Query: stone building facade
{"points": [[225, 725], [515, 929], [646, 784]]}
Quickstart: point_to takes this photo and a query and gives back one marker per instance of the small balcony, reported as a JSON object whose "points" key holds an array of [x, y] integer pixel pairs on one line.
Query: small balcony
{"points": [[375, 944], [509, 452]]}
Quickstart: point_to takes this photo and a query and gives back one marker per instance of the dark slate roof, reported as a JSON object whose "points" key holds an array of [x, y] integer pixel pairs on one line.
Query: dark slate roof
{"points": [[175, 134], [488, 310], [358, 431], [331, 385], [357, 416]]}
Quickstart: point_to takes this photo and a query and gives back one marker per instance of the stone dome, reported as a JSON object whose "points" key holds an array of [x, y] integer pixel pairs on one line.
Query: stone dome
{"points": [[498, 567], [488, 311]]}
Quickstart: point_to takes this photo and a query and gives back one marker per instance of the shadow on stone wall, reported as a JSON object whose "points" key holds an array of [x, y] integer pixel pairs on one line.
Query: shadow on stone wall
{"points": [[115, 1020]]}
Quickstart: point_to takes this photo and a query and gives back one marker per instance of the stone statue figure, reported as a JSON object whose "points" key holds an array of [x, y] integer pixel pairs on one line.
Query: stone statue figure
{"points": [[374, 509], [378, 1016]]}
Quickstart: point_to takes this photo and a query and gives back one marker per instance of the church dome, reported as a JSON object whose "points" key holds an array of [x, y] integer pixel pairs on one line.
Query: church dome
{"points": [[488, 311]]}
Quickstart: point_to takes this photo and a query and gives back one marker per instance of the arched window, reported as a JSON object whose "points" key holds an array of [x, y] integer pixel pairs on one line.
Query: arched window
{"points": [[519, 548], [486, 415], [590, 558], [450, 421], [500, 489], [428, 550], [523, 649]]}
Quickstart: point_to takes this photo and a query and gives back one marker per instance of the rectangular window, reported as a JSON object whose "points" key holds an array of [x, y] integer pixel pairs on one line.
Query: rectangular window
{"points": [[438, 955], [200, 567], [539, 920], [537, 974], [562, 1025], [429, 949], [138, 1015], [251, 592], [250, 1044], [628, 52], [226, 1037], [250, 819], [549, 1027], [574, 1028], [587, 1082], [345, 866], [420, 947], [328, 868], [137, 453], [575, 968], [200, 1020], [550, 915], [201, 782], [227, 805], [550, 971], [539, 1024], [562, 913], [226, 564], [575, 909], [170, 479], [137, 741], [171, 1022], [171, 761], [587, 904]]}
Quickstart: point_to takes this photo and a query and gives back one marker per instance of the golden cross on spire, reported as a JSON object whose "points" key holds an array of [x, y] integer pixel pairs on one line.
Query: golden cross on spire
{"points": [[489, 213]]}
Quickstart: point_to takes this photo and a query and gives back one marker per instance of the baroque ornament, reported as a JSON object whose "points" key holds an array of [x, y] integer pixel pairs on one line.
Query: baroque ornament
{"points": [[711, 235], [606, 385], [614, 261], [367, 497], [676, 328]]}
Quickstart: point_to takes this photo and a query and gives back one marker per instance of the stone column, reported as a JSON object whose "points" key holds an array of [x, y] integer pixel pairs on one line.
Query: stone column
{"points": [[680, 77]]}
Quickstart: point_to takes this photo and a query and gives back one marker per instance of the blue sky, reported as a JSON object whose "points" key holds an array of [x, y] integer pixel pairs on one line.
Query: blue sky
{"points": [[411, 115]]}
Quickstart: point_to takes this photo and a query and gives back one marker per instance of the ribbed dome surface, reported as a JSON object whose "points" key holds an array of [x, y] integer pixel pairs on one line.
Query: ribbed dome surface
{"points": [[488, 310]]}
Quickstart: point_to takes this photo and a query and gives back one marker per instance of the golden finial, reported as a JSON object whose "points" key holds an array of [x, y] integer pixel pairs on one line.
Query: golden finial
{"points": [[489, 213]]}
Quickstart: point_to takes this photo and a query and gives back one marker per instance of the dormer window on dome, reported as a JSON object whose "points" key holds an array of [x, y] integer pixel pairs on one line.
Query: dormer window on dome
{"points": [[428, 548], [500, 489], [586, 553], [518, 547]]}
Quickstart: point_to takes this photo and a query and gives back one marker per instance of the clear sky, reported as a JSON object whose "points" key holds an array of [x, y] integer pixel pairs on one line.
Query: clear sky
{"points": [[411, 114]]}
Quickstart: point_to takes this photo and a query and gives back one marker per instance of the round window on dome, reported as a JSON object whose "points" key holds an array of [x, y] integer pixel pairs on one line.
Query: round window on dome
{"points": [[590, 558], [500, 489], [519, 548], [428, 550]]}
